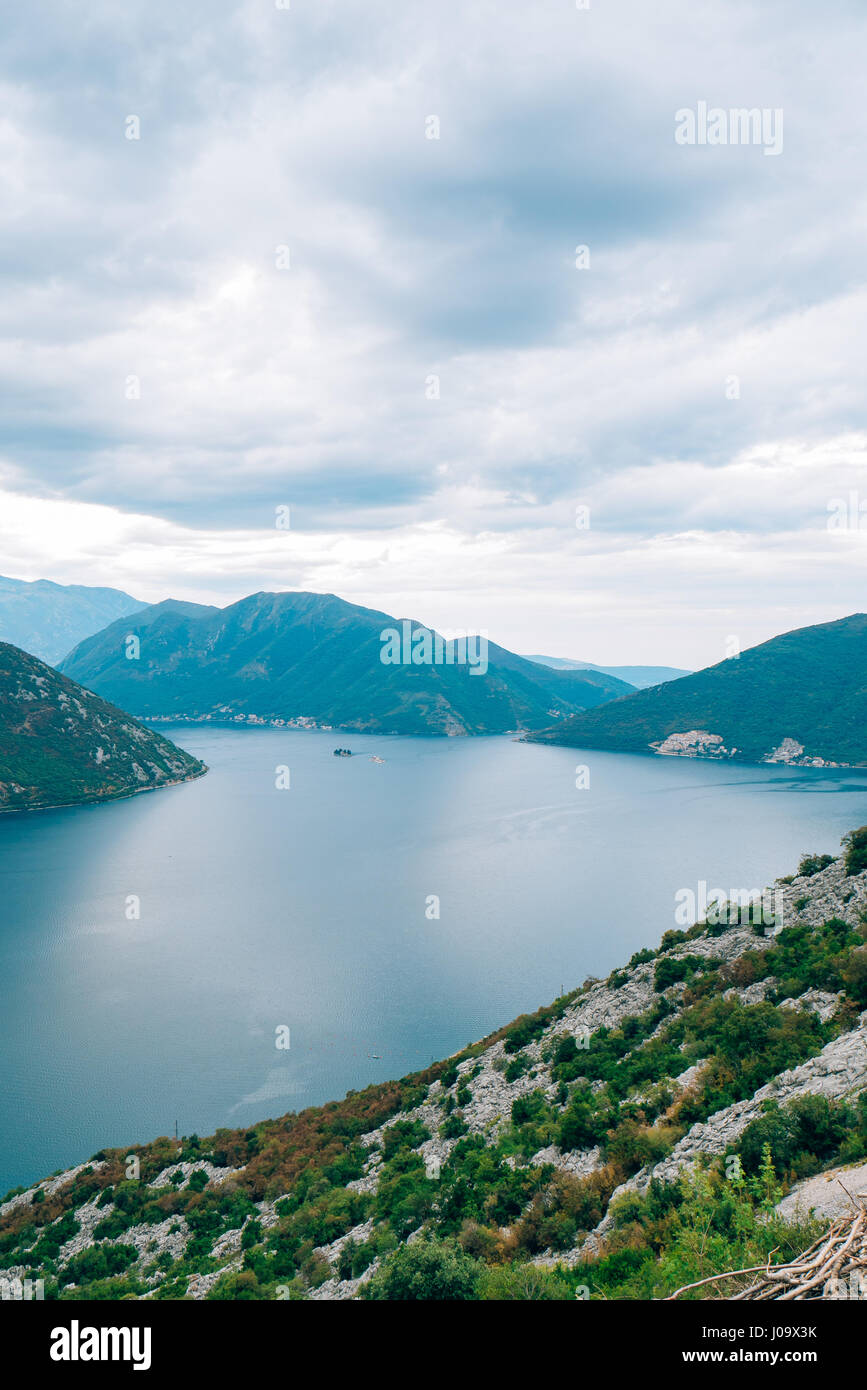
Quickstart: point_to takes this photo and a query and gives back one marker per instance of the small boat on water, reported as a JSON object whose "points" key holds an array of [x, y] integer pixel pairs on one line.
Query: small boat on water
{"points": [[375, 759]]}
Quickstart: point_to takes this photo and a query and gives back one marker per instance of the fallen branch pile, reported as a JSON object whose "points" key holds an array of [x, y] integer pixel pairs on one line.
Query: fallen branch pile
{"points": [[835, 1266]]}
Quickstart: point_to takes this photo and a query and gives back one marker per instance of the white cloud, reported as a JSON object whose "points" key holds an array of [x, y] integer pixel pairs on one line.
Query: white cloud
{"points": [[157, 259], [603, 594]]}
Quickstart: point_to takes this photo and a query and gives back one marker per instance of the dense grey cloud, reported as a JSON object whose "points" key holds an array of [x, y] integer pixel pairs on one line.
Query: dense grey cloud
{"points": [[432, 357]]}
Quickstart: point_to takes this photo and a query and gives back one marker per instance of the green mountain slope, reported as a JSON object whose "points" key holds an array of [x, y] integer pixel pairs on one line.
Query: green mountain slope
{"points": [[633, 1136], [49, 619], [292, 655], [62, 745], [800, 698]]}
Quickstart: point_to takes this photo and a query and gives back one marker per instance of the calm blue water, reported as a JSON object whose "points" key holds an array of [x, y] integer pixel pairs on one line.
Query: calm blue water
{"points": [[306, 908]]}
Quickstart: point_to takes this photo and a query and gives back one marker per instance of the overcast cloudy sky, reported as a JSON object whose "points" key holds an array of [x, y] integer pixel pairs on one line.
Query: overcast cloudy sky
{"points": [[286, 292]]}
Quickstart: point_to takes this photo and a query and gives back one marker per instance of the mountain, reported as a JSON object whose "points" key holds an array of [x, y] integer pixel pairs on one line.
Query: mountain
{"points": [[300, 655], [49, 619], [800, 698], [634, 1136], [61, 745], [638, 676]]}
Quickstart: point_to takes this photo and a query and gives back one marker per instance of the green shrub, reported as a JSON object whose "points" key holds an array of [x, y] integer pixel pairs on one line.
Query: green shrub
{"points": [[670, 970], [404, 1134], [581, 1127], [854, 976], [813, 864], [251, 1234], [454, 1126], [405, 1194], [49, 1243], [516, 1067], [560, 1210], [805, 957], [429, 1270], [477, 1184], [632, 1145], [522, 1282], [240, 1286], [855, 845], [105, 1290], [640, 957], [528, 1107], [804, 1136], [346, 1258], [526, 1030], [749, 1044], [98, 1262]]}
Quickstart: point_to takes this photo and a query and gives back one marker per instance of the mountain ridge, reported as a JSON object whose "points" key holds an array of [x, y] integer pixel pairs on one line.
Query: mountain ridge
{"points": [[638, 676], [301, 655], [49, 619]]}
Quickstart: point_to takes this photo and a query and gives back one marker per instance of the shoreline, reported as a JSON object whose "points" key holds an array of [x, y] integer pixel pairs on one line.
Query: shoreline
{"points": [[649, 752], [101, 800]]}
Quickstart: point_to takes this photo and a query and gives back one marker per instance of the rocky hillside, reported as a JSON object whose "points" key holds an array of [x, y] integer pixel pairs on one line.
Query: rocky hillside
{"points": [[638, 1134], [62, 745]]}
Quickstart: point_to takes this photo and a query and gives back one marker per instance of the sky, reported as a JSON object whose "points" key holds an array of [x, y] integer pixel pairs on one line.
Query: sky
{"points": [[430, 306]]}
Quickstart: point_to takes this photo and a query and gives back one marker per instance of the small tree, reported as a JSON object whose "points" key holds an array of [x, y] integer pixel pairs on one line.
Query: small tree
{"points": [[854, 974], [426, 1269], [855, 845], [813, 864], [523, 1282]]}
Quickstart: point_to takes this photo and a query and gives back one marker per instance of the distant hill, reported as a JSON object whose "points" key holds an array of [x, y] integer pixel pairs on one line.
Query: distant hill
{"points": [[296, 655], [61, 745], [638, 676], [800, 698], [49, 619]]}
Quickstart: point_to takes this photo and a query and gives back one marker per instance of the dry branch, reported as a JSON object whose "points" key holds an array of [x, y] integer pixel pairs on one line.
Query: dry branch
{"points": [[835, 1266]]}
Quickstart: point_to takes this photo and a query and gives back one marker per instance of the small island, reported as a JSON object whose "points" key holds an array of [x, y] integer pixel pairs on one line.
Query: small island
{"points": [[343, 752]]}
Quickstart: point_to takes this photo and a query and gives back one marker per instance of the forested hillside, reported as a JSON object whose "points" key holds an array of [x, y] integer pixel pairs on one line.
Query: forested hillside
{"points": [[800, 699]]}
